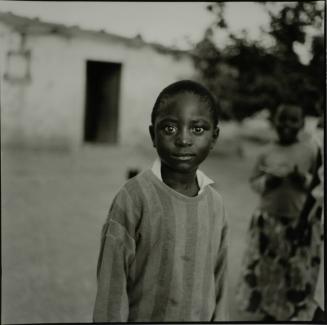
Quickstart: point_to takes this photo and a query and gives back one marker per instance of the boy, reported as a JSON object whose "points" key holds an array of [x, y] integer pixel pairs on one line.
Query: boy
{"points": [[163, 252]]}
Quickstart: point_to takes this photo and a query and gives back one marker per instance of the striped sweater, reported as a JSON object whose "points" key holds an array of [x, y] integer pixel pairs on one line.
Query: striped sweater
{"points": [[163, 256]]}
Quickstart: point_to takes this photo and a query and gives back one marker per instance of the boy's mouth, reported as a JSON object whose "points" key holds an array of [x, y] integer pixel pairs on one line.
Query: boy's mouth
{"points": [[186, 156]]}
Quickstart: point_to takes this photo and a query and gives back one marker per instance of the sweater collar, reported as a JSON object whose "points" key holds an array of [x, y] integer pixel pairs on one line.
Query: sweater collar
{"points": [[202, 178]]}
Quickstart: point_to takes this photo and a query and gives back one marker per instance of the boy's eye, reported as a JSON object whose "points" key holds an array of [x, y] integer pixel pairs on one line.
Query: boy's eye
{"points": [[170, 129], [197, 130]]}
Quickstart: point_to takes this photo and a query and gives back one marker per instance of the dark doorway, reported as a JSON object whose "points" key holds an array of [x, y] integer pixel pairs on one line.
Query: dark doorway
{"points": [[102, 102]]}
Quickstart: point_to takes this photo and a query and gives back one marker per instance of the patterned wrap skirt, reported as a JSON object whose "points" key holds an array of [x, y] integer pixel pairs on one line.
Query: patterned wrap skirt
{"points": [[280, 266]]}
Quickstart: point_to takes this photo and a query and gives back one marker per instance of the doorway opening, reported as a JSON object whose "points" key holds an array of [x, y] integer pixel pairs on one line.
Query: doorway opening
{"points": [[102, 102]]}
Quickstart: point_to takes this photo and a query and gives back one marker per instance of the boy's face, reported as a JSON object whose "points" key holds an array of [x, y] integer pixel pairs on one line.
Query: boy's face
{"points": [[288, 121], [184, 133]]}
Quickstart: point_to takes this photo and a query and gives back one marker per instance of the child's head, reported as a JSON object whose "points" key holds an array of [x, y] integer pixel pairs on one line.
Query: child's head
{"points": [[182, 87], [184, 125], [288, 121]]}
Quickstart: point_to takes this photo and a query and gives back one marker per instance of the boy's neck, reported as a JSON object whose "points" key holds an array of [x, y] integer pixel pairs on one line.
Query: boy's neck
{"points": [[184, 183]]}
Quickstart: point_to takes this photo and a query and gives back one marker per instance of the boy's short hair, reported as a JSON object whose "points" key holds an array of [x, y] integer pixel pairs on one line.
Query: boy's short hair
{"points": [[187, 86]]}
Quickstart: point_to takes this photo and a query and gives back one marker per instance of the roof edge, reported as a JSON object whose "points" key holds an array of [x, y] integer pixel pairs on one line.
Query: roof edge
{"points": [[24, 24]]}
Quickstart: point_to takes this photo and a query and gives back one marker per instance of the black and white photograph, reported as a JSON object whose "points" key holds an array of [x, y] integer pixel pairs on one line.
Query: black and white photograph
{"points": [[162, 161]]}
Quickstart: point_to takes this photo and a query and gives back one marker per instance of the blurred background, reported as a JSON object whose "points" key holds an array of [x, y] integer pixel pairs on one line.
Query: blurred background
{"points": [[78, 82]]}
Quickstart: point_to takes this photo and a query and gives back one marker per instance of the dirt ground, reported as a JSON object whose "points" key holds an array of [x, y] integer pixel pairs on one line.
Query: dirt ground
{"points": [[53, 208]]}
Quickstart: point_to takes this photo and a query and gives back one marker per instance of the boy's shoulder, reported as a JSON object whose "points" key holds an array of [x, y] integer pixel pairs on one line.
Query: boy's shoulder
{"points": [[217, 197], [218, 204], [214, 190], [136, 186]]}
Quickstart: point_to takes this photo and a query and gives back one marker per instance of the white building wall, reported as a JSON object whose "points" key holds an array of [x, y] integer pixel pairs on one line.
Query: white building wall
{"points": [[49, 110]]}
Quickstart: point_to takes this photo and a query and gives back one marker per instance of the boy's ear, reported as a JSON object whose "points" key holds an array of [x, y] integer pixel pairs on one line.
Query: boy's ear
{"points": [[215, 136], [151, 130]]}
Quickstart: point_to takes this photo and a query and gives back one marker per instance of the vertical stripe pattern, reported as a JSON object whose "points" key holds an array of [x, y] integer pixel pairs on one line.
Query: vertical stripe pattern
{"points": [[161, 260], [167, 240], [188, 266], [207, 278]]}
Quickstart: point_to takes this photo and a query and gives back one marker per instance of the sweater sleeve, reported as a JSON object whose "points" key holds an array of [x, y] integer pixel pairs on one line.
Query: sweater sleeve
{"points": [[116, 253], [222, 304]]}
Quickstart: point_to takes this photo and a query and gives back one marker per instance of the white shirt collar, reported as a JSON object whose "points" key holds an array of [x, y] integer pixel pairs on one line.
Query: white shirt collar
{"points": [[202, 178]]}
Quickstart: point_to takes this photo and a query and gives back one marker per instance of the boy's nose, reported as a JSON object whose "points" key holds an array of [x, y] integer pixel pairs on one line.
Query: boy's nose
{"points": [[184, 138]]}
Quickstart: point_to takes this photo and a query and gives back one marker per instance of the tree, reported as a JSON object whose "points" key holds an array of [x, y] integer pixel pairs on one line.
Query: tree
{"points": [[246, 76], [218, 76]]}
